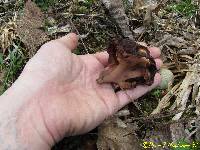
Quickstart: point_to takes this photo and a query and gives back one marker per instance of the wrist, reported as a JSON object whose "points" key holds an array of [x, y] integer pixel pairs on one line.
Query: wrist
{"points": [[32, 128], [17, 133], [8, 134], [22, 119]]}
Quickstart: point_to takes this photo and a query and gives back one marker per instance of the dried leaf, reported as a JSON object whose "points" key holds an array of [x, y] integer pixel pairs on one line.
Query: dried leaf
{"points": [[28, 27], [7, 35], [191, 80], [148, 16], [189, 50], [171, 40], [1, 76], [139, 30], [165, 101], [123, 112], [177, 131], [115, 135], [159, 136], [197, 122]]}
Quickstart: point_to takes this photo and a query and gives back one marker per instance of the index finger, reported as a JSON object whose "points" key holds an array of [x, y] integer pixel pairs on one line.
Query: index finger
{"points": [[154, 52]]}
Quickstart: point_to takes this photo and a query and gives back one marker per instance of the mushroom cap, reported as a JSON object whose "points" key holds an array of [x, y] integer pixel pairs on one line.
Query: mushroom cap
{"points": [[129, 64]]}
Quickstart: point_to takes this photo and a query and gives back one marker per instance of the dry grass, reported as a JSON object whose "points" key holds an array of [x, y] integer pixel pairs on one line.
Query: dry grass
{"points": [[173, 27]]}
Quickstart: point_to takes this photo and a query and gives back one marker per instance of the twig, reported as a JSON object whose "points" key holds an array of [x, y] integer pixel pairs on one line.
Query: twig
{"points": [[84, 15], [156, 116], [7, 1]]}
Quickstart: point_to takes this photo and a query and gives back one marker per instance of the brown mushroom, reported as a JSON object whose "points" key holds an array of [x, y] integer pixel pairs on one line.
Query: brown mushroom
{"points": [[129, 64]]}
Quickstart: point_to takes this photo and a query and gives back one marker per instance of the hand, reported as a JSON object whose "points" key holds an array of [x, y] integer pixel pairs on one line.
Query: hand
{"points": [[60, 93]]}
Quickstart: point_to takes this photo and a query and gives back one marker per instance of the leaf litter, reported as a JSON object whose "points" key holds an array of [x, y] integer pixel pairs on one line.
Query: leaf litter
{"points": [[29, 27], [114, 134], [174, 113]]}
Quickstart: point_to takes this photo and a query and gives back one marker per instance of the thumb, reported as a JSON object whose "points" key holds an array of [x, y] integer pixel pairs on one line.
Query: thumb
{"points": [[70, 41]]}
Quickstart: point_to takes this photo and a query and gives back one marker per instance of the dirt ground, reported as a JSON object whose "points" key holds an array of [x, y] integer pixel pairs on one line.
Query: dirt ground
{"points": [[163, 118]]}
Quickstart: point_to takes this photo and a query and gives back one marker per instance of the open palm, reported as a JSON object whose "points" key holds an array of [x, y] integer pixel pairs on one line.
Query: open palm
{"points": [[66, 90]]}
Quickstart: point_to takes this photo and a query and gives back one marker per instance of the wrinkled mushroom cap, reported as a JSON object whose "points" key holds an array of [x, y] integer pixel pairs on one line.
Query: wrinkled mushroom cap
{"points": [[129, 64]]}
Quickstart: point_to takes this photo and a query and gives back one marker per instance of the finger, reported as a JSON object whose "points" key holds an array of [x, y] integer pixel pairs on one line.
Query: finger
{"points": [[155, 52], [102, 57], [159, 63], [70, 41], [128, 95]]}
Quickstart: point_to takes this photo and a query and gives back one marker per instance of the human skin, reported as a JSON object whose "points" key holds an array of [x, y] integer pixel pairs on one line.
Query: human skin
{"points": [[57, 95]]}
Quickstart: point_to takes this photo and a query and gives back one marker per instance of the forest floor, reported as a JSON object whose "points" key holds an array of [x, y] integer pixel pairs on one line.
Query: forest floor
{"points": [[162, 119]]}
